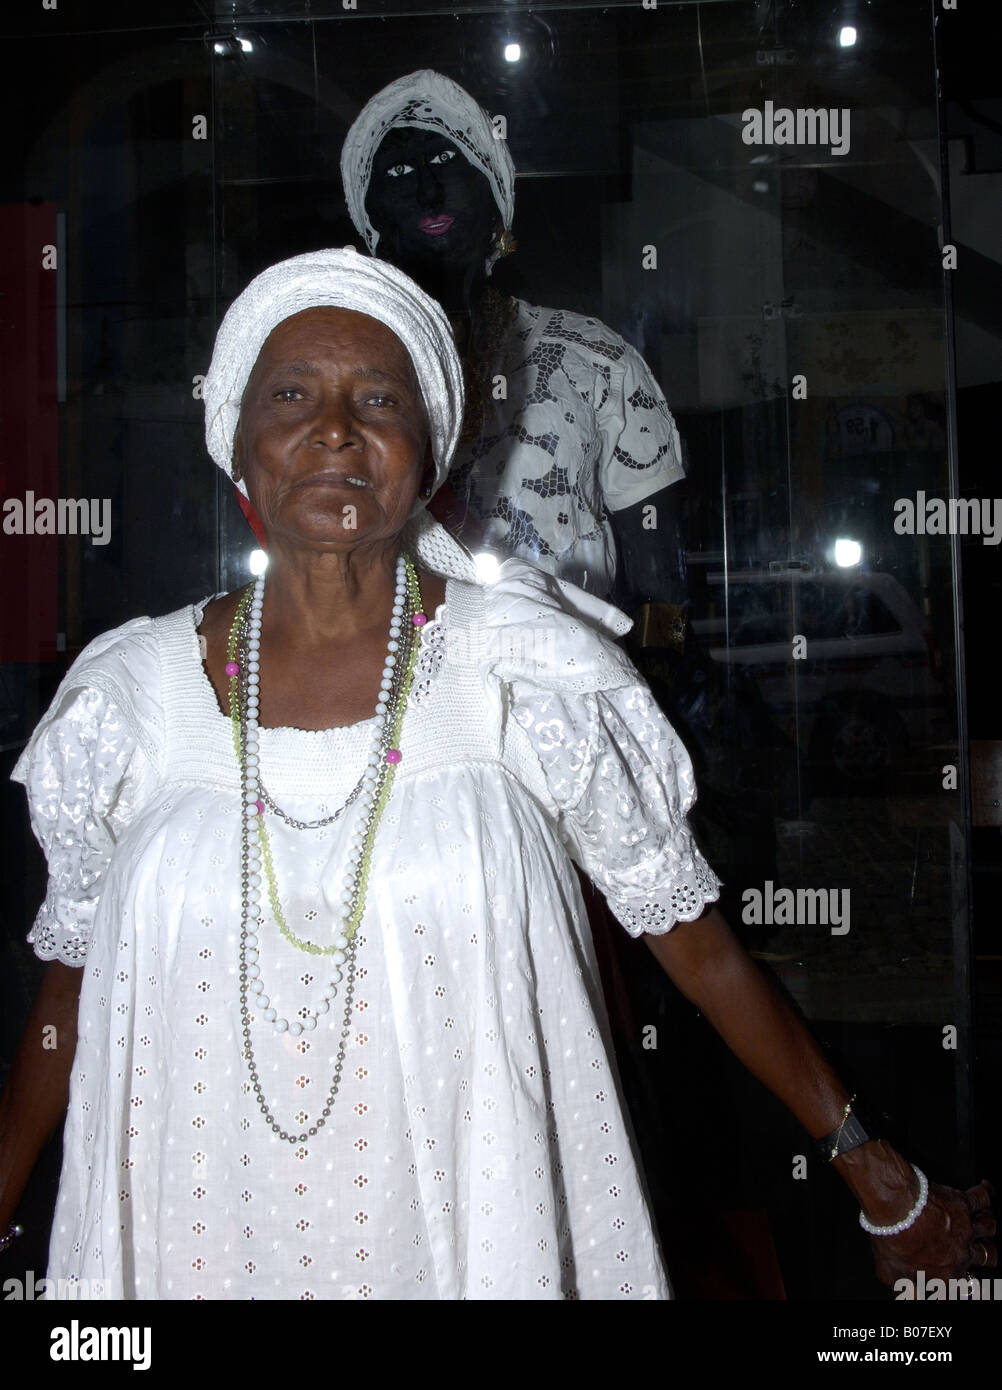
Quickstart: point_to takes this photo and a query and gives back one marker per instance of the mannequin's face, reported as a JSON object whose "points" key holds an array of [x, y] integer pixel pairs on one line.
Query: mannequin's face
{"points": [[433, 209]]}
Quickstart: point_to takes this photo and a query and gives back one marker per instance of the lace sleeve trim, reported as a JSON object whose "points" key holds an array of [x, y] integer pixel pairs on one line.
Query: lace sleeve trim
{"points": [[660, 911], [50, 940]]}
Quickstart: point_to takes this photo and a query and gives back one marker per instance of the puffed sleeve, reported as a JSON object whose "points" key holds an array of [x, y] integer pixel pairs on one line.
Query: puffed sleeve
{"points": [[624, 786], [641, 452], [87, 769], [616, 775]]}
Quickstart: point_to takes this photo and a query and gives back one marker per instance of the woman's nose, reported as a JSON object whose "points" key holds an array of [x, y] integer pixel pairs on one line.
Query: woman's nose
{"points": [[334, 423]]}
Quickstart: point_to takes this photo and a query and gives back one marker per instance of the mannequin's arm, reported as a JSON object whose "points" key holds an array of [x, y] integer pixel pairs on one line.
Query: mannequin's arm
{"points": [[650, 551]]}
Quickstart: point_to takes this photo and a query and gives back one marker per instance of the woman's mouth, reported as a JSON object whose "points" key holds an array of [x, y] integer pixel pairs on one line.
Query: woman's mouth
{"points": [[435, 226], [334, 480]]}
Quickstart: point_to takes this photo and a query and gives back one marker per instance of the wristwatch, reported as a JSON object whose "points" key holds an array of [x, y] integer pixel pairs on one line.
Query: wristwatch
{"points": [[848, 1135]]}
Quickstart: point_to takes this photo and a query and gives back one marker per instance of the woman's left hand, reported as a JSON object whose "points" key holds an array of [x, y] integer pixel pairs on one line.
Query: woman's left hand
{"points": [[952, 1237]]}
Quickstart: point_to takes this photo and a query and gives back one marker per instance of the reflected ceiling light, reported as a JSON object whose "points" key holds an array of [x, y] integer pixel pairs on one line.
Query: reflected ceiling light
{"points": [[846, 36], [760, 186], [229, 45], [847, 552], [512, 52], [258, 562], [487, 567]]}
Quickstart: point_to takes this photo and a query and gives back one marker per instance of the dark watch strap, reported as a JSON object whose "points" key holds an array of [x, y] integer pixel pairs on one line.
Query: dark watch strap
{"points": [[846, 1136]]}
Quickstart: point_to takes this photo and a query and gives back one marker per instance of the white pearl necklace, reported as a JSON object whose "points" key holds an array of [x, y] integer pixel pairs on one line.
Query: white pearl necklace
{"points": [[253, 808]]}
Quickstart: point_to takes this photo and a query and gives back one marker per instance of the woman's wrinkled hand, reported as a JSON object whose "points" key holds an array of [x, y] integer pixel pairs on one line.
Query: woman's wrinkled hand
{"points": [[952, 1238]]}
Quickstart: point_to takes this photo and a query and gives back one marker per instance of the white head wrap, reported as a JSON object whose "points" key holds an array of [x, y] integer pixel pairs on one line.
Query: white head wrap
{"points": [[345, 280], [429, 101]]}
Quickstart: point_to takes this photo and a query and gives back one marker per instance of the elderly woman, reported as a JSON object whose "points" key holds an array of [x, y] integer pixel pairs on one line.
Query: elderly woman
{"points": [[339, 1027]]}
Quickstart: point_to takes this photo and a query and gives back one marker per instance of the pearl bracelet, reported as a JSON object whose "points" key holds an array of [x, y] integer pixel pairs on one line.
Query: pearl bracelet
{"points": [[906, 1221]]}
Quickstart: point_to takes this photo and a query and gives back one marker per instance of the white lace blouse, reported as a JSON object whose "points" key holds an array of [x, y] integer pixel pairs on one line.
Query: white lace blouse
{"points": [[581, 431], [477, 1147]]}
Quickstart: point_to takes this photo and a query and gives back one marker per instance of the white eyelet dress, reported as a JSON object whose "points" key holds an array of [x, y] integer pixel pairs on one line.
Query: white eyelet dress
{"points": [[477, 1147]]}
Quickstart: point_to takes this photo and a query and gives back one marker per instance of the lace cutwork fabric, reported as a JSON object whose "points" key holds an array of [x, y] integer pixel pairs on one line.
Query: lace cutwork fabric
{"points": [[91, 778], [431, 655], [624, 784], [584, 431], [471, 1153]]}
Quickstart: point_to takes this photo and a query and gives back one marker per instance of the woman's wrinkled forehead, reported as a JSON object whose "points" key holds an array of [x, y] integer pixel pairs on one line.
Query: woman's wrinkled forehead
{"points": [[311, 337]]}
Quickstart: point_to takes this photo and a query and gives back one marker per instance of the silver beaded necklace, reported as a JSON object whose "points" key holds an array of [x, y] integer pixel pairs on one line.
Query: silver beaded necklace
{"points": [[373, 789]]}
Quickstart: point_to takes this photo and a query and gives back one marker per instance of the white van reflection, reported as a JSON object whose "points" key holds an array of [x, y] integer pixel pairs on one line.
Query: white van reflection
{"points": [[869, 687]]}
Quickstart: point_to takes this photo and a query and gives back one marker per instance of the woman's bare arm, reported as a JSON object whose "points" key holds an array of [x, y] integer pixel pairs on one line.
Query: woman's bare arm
{"points": [[35, 1096], [711, 968]]}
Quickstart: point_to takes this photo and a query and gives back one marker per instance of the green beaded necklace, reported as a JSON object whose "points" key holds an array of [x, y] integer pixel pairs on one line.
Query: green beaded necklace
{"points": [[392, 732]]}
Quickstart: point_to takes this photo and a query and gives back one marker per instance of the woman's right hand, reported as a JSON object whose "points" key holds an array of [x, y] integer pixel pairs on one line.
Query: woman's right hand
{"points": [[952, 1238]]}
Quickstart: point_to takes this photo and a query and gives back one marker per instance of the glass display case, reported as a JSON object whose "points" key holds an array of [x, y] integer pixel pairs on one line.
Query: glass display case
{"points": [[750, 195]]}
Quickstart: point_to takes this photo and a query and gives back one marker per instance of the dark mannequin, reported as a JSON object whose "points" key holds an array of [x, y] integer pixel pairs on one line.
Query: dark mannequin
{"points": [[417, 174]]}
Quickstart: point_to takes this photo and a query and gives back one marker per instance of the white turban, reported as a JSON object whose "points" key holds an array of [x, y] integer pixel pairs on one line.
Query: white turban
{"points": [[340, 279], [428, 101]]}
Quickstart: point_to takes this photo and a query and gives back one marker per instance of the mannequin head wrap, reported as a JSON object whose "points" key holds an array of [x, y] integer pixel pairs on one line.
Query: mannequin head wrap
{"points": [[345, 280], [427, 101]]}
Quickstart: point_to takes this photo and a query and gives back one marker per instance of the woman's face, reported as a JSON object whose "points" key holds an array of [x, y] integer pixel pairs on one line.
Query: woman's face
{"points": [[428, 203], [332, 441]]}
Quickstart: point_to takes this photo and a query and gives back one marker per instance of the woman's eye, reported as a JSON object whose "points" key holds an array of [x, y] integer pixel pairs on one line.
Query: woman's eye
{"points": [[396, 170], [442, 157], [380, 400], [288, 392]]}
